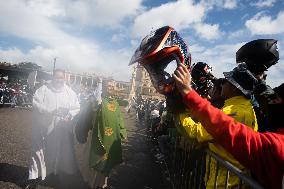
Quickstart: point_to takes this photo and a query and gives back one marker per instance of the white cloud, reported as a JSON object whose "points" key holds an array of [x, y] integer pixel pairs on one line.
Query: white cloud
{"points": [[225, 4], [262, 24], [220, 57], [88, 13], [41, 23], [180, 15], [263, 3], [47, 8], [25, 22], [12, 55], [75, 59], [238, 34], [51, 41], [207, 31], [118, 37], [230, 4], [195, 48], [187, 16], [275, 74], [102, 12]]}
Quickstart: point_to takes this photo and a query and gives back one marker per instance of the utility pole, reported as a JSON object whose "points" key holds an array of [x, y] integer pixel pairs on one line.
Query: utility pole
{"points": [[54, 62]]}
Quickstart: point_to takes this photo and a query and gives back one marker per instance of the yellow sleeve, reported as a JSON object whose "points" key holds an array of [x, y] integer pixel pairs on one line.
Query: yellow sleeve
{"points": [[193, 129]]}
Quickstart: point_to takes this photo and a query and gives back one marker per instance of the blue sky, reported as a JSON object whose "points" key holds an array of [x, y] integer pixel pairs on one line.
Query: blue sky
{"points": [[99, 36]]}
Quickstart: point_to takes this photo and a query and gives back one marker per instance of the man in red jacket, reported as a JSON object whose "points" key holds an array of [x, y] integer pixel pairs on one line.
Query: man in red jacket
{"points": [[262, 153]]}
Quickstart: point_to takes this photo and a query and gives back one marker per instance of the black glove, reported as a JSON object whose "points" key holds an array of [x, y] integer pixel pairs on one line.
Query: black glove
{"points": [[84, 123]]}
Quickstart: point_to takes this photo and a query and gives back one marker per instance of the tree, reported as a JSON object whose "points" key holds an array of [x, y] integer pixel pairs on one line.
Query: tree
{"points": [[29, 65]]}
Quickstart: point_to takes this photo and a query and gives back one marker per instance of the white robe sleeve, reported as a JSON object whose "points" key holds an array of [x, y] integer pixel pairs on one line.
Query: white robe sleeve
{"points": [[98, 93], [38, 101]]}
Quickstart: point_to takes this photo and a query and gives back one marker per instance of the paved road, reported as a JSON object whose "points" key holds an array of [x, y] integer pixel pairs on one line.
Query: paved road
{"points": [[139, 171]]}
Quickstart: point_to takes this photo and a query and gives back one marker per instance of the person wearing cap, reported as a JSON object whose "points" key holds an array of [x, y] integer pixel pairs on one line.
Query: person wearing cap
{"points": [[236, 90], [261, 153]]}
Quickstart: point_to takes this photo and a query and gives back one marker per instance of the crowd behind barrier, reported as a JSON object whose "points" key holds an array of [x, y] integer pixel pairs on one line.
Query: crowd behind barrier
{"points": [[184, 160], [15, 93]]}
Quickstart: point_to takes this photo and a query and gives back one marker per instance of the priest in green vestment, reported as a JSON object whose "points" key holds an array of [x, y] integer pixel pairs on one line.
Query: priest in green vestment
{"points": [[108, 130], [101, 127]]}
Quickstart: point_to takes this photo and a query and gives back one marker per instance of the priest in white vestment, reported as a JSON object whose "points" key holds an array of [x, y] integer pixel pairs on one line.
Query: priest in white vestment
{"points": [[54, 107]]}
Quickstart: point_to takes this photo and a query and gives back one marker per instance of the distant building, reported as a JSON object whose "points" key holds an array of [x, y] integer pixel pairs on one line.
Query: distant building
{"points": [[86, 80], [118, 88], [141, 84]]}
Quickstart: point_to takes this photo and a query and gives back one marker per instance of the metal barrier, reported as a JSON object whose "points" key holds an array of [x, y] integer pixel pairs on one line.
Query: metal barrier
{"points": [[232, 169], [187, 162]]}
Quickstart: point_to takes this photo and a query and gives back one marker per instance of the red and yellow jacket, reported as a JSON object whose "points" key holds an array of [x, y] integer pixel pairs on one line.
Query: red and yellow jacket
{"points": [[262, 153]]}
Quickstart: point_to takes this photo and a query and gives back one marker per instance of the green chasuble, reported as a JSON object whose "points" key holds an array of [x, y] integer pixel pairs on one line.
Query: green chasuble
{"points": [[108, 129]]}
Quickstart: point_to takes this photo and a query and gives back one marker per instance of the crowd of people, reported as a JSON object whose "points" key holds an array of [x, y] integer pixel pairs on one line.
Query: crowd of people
{"points": [[18, 93], [240, 120], [15, 93], [237, 116]]}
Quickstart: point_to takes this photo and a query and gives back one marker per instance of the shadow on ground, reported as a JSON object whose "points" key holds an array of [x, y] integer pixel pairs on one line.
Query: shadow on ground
{"points": [[139, 170], [13, 173]]}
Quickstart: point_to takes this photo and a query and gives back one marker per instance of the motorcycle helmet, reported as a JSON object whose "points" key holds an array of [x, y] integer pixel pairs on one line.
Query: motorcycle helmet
{"points": [[155, 53], [258, 54], [202, 78]]}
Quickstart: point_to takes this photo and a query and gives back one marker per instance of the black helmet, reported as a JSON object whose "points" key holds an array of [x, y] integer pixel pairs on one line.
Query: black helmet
{"points": [[258, 54], [202, 77], [200, 69]]}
